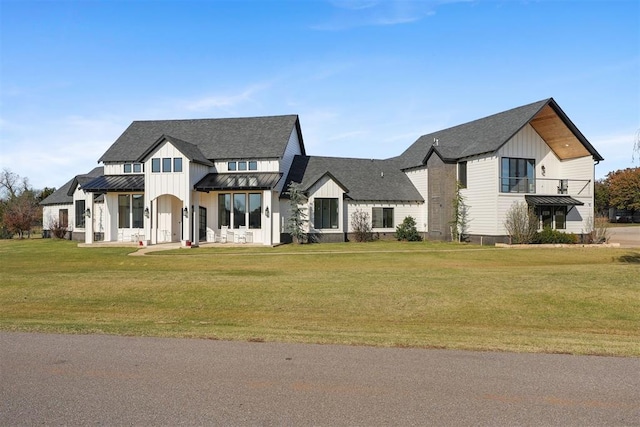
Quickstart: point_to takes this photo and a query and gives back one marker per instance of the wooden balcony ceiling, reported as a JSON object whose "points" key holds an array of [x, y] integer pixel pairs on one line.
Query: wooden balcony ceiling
{"points": [[557, 135]]}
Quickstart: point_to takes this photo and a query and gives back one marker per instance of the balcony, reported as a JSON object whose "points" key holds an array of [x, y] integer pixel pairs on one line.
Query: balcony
{"points": [[575, 187]]}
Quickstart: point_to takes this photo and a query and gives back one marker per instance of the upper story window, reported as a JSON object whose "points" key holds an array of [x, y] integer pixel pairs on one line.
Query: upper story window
{"points": [[166, 164], [133, 168], [517, 175], [242, 165], [462, 174]]}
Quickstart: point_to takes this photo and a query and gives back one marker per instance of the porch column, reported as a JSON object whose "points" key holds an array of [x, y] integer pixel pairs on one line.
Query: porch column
{"points": [[267, 218], [184, 219], [89, 214], [153, 227], [195, 228]]}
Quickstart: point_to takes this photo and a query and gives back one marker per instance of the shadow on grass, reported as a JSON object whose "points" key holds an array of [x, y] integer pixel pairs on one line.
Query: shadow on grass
{"points": [[633, 258]]}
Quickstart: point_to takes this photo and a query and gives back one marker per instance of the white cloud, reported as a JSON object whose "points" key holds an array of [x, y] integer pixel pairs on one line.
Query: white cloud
{"points": [[224, 101]]}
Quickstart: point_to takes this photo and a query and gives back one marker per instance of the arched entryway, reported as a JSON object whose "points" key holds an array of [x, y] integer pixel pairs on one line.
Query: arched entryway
{"points": [[167, 220]]}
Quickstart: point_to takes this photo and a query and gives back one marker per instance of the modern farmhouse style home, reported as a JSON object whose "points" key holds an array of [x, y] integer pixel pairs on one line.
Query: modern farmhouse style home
{"points": [[226, 180]]}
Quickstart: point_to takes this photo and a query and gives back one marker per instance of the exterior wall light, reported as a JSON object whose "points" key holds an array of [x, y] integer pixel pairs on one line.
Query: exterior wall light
{"points": [[544, 170], [146, 212], [266, 211], [186, 212], [87, 213]]}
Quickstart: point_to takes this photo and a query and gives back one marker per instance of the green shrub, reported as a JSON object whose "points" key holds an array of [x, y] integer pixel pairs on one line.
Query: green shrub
{"points": [[407, 230], [549, 235]]}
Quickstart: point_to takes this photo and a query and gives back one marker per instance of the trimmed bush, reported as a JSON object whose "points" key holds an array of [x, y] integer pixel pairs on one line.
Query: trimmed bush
{"points": [[549, 235], [407, 230]]}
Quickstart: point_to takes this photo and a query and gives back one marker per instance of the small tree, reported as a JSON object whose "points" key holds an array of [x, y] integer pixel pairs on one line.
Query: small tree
{"points": [[407, 230], [361, 226], [58, 230], [459, 222], [521, 223], [298, 219], [598, 231]]}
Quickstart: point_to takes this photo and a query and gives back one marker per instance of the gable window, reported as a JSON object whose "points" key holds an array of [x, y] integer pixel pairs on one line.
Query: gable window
{"points": [[63, 217], [155, 165], [253, 166], [231, 166], [166, 164], [127, 168], [242, 166], [325, 213], [462, 174], [382, 217], [177, 164], [80, 208], [517, 175], [138, 168]]}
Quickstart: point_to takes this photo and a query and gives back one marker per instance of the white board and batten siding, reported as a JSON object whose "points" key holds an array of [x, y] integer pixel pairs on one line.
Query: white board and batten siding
{"points": [[420, 179], [401, 210], [293, 149], [327, 188], [481, 194], [114, 168], [174, 183]]}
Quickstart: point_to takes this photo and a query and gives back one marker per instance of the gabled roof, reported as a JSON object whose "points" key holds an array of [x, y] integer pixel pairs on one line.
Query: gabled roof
{"points": [[234, 138], [488, 134], [192, 152], [64, 194], [362, 179]]}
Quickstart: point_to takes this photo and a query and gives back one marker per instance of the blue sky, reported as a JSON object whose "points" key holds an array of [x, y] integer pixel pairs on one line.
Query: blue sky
{"points": [[366, 77]]}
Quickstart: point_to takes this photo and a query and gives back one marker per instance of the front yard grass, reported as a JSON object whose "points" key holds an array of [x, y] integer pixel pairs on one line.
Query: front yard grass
{"points": [[432, 295]]}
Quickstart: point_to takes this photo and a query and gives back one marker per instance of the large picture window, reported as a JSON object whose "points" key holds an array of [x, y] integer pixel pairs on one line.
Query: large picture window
{"points": [[517, 175], [138, 210], [224, 210], [382, 217], [239, 209], [325, 213], [255, 210], [553, 217], [80, 213], [124, 209]]}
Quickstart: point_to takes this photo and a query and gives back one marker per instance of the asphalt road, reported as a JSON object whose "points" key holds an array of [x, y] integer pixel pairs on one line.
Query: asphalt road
{"points": [[109, 380]]}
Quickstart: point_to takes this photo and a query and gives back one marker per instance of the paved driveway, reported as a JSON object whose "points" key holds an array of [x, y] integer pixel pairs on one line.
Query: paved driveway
{"points": [[626, 236], [108, 380]]}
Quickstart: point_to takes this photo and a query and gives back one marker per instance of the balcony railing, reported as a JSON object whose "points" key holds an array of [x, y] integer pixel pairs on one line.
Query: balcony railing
{"points": [[576, 187]]}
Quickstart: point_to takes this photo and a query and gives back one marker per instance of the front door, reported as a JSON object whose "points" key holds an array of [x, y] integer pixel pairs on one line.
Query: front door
{"points": [[202, 226]]}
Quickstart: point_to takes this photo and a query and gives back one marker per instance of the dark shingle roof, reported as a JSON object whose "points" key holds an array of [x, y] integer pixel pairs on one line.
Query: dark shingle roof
{"points": [[477, 137], [362, 179], [62, 196], [249, 137]]}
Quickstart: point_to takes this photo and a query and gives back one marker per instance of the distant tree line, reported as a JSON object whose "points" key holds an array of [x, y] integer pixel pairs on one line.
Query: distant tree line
{"points": [[620, 189], [20, 209]]}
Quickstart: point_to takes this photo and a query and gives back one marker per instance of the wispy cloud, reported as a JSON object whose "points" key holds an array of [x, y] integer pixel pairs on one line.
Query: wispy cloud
{"points": [[362, 13], [223, 101]]}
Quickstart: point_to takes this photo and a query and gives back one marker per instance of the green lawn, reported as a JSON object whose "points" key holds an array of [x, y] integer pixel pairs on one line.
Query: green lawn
{"points": [[577, 300]]}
